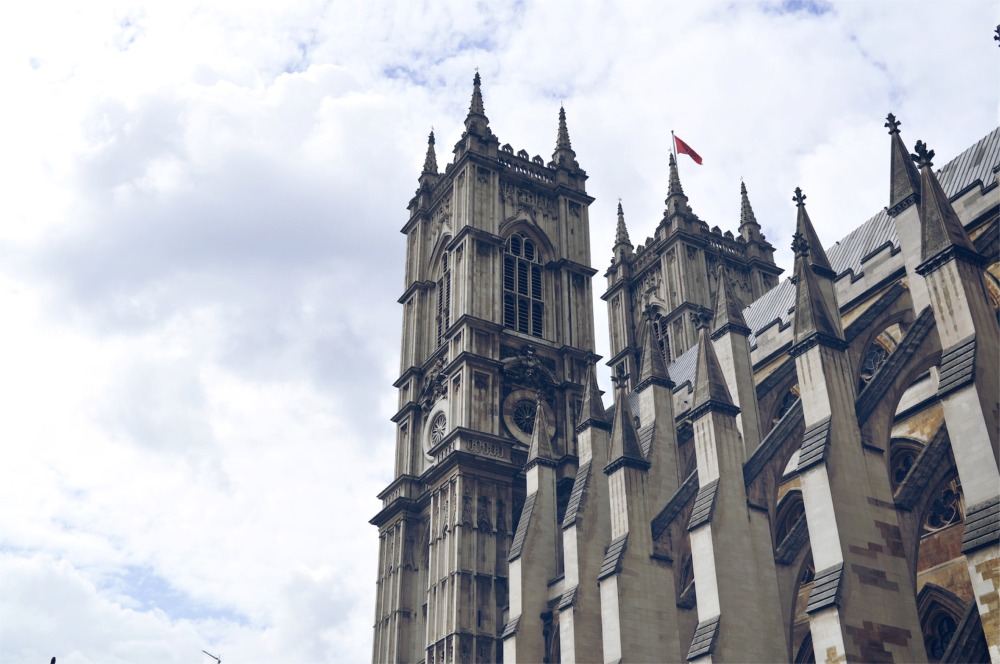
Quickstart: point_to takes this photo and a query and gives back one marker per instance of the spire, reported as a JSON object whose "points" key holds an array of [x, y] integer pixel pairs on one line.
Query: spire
{"points": [[904, 183], [564, 155], [940, 227], [625, 448], [562, 138], [709, 381], [728, 309], [803, 226], [430, 161], [592, 411], [621, 232], [812, 315], [541, 444], [675, 180], [746, 212], [653, 369], [477, 122]]}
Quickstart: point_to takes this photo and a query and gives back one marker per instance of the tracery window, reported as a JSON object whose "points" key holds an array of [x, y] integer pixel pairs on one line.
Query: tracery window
{"points": [[439, 427], [946, 509], [523, 306], [786, 404], [443, 300], [902, 456], [874, 359], [938, 632]]}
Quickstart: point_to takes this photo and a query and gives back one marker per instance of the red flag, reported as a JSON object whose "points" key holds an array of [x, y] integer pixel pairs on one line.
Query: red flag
{"points": [[684, 148]]}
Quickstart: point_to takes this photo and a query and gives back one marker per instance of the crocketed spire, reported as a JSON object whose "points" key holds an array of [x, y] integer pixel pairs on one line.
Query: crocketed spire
{"points": [[625, 449], [904, 182], [592, 411], [653, 369], [621, 232], [477, 122], [803, 226], [675, 180], [430, 161], [746, 212], [940, 227], [812, 311], [728, 308], [562, 138], [541, 443], [709, 382], [563, 155]]}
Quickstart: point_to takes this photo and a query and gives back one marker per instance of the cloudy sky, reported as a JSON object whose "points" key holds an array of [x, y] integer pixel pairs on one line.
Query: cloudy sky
{"points": [[200, 260]]}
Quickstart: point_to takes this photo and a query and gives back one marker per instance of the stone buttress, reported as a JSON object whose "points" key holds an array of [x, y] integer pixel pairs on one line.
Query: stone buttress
{"points": [[638, 615], [586, 531], [739, 617], [861, 606], [967, 382]]}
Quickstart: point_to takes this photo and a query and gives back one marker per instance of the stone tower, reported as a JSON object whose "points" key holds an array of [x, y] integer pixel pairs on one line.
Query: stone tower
{"points": [[497, 336], [674, 274]]}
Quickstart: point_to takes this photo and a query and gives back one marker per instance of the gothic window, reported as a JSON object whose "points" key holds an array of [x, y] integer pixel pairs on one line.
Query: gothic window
{"points": [[946, 509], [523, 308], [902, 455], [786, 404], [443, 300], [940, 613], [661, 329], [790, 510]]}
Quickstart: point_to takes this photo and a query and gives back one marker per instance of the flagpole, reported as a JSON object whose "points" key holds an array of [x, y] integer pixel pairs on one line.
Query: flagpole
{"points": [[673, 145]]}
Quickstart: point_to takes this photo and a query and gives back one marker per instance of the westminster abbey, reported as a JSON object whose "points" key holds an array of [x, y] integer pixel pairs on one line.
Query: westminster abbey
{"points": [[801, 469]]}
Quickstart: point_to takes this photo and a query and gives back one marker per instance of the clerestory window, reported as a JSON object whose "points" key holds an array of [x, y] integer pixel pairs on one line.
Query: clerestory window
{"points": [[523, 306]]}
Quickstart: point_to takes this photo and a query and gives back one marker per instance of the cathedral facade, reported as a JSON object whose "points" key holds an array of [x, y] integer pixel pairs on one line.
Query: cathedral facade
{"points": [[789, 470]]}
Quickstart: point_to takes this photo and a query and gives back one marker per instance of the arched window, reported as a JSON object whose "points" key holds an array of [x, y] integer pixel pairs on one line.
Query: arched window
{"points": [[789, 511], [786, 404], [443, 299], [946, 509], [940, 613], [523, 308], [877, 353], [662, 332], [902, 455]]}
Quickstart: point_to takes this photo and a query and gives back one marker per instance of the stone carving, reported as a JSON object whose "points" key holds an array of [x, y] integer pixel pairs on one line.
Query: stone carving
{"points": [[435, 386], [483, 515], [467, 510]]}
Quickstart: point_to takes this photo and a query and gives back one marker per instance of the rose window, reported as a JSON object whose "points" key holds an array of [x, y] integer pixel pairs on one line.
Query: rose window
{"points": [[523, 415], [439, 427]]}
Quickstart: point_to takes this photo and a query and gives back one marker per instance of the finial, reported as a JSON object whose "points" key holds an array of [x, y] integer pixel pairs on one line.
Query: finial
{"points": [[562, 139], [746, 210], [800, 245], [621, 231], [922, 155], [892, 123], [702, 319], [799, 197], [430, 161]]}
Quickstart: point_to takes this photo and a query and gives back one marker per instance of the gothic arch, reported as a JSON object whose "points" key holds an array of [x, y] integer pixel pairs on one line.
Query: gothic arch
{"points": [[876, 421], [523, 224], [940, 612]]}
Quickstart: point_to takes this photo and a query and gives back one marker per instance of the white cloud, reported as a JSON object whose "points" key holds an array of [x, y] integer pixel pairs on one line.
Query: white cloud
{"points": [[200, 259]]}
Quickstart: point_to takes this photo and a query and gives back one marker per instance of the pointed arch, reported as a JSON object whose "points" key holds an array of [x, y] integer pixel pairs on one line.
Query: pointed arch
{"points": [[523, 284], [940, 613]]}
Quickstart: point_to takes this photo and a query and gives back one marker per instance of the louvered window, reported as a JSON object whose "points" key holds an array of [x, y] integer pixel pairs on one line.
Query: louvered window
{"points": [[443, 300], [523, 306], [660, 327]]}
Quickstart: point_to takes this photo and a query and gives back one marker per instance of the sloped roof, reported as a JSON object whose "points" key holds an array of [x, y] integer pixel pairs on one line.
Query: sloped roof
{"points": [[975, 165]]}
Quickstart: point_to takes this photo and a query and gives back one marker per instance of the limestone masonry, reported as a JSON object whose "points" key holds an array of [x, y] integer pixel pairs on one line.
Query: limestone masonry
{"points": [[792, 470]]}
